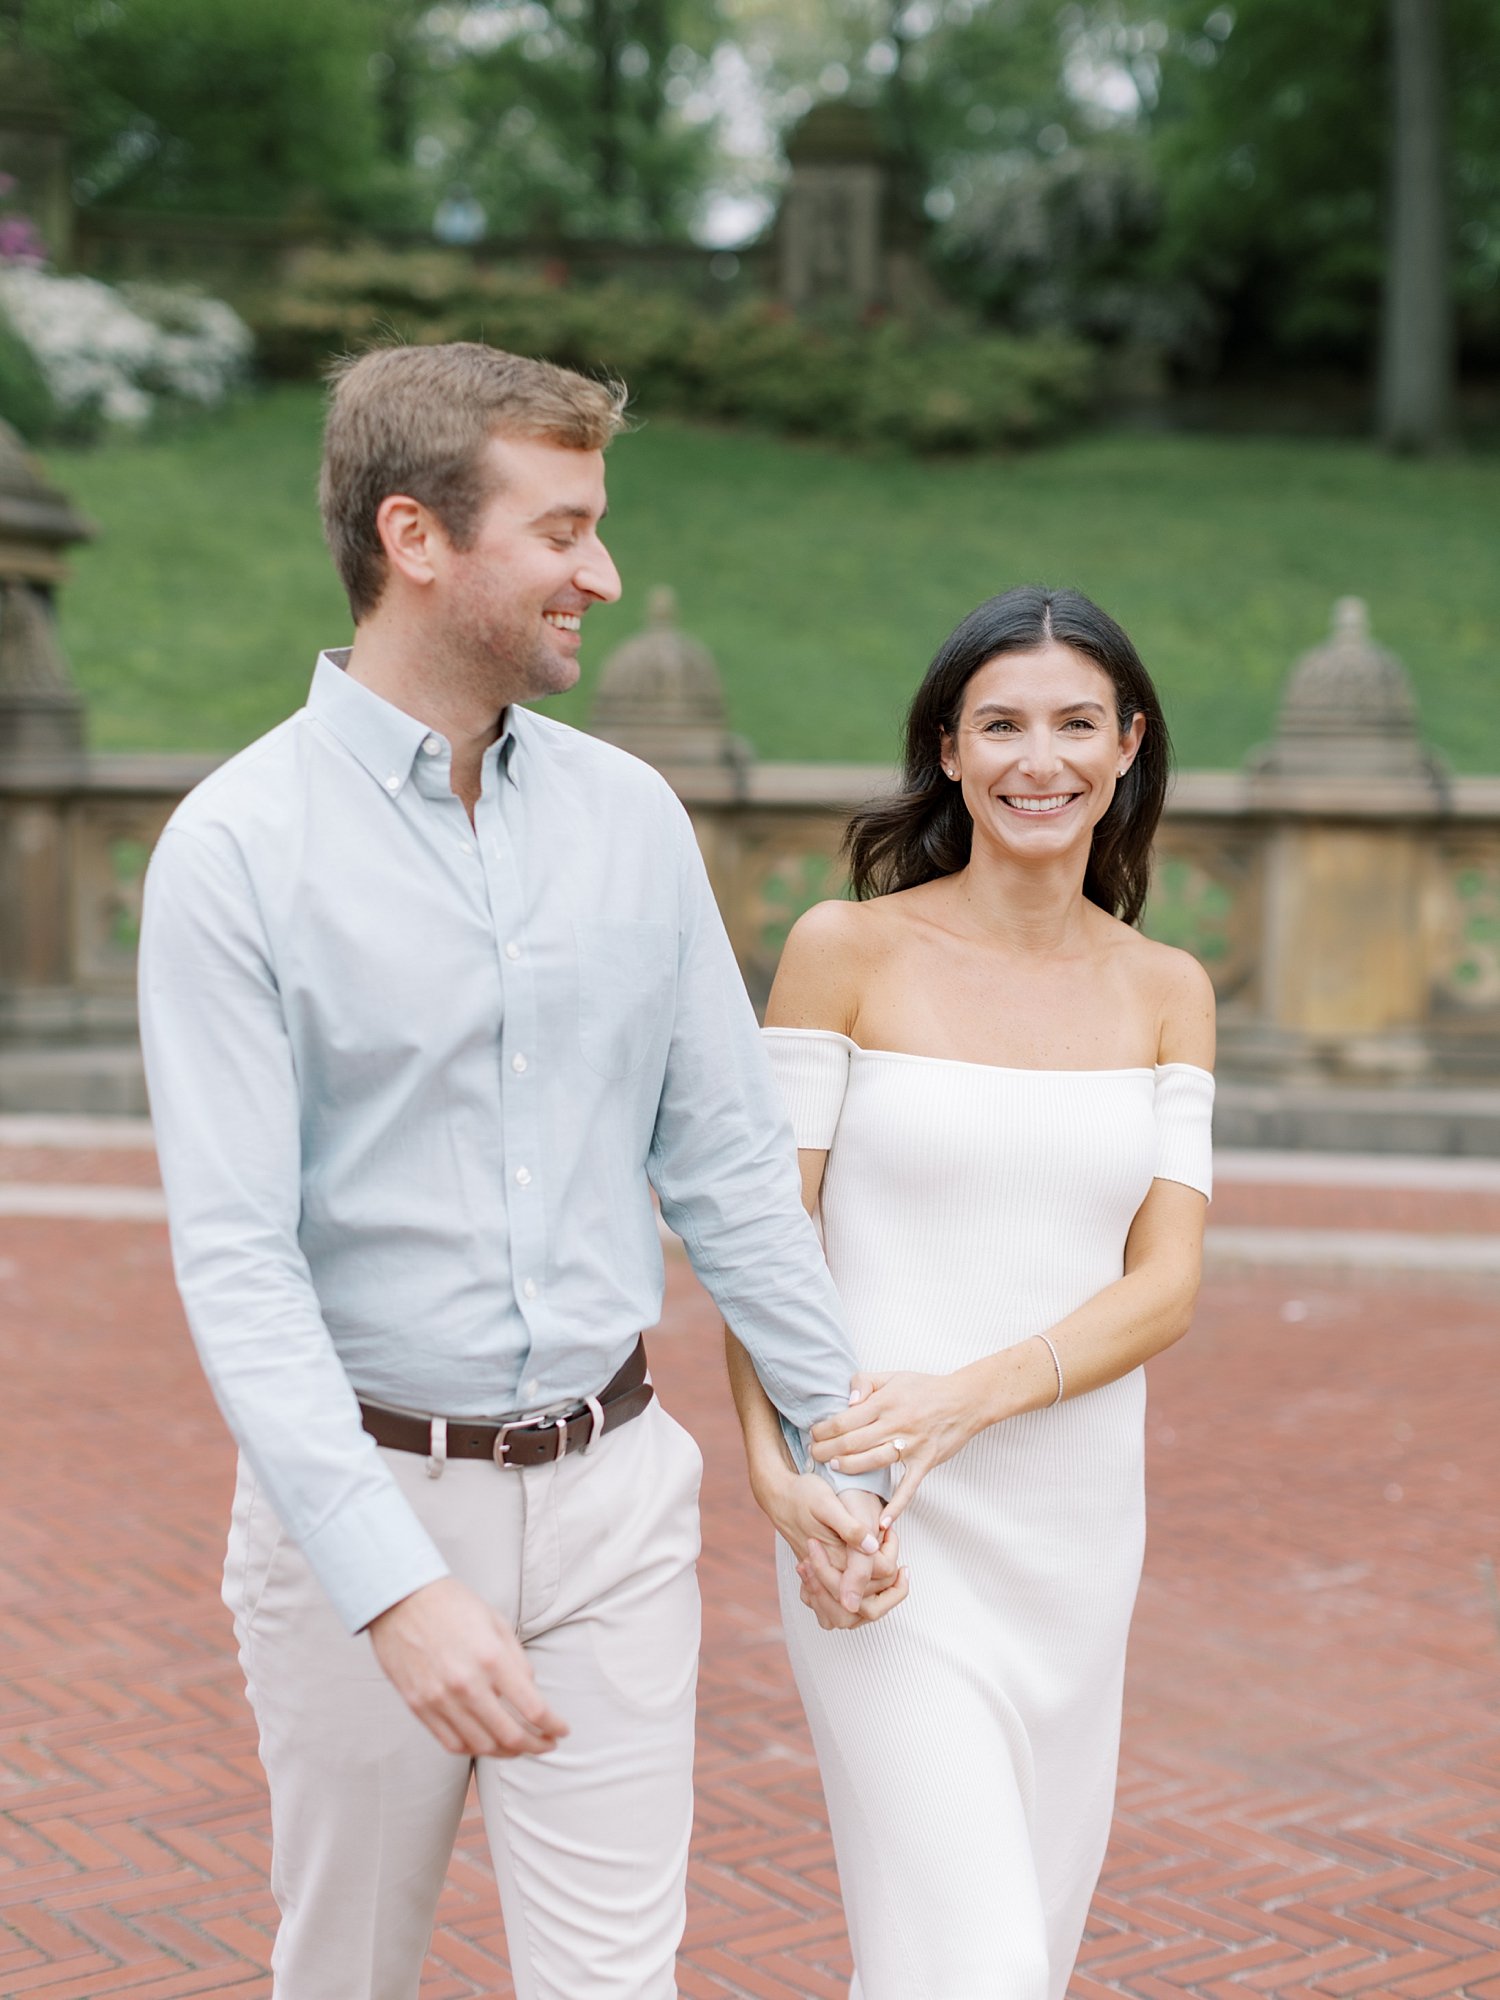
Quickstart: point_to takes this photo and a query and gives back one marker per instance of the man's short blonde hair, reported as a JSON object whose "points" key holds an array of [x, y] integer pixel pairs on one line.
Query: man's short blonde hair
{"points": [[416, 420]]}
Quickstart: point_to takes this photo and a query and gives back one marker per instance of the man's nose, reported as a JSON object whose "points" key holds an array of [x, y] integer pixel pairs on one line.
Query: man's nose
{"points": [[597, 574]]}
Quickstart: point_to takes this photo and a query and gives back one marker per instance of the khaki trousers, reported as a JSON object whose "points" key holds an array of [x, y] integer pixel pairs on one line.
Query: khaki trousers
{"points": [[592, 1561]]}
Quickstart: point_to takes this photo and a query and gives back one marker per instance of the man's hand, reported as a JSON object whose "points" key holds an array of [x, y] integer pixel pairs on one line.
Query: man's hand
{"points": [[846, 1584], [461, 1670]]}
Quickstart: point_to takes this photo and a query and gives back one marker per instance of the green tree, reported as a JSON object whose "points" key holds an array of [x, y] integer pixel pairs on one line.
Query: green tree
{"points": [[214, 105], [1417, 347], [1273, 146], [580, 116]]}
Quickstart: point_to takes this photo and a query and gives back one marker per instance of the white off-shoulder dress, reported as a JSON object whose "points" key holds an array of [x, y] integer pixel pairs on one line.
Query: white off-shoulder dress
{"points": [[968, 1741]]}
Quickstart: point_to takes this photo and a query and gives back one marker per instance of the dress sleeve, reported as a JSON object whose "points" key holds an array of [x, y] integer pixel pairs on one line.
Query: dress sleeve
{"points": [[811, 1068], [1184, 1121]]}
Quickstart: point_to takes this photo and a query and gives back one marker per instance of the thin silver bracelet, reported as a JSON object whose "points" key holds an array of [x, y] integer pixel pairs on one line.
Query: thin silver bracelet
{"points": [[1058, 1366]]}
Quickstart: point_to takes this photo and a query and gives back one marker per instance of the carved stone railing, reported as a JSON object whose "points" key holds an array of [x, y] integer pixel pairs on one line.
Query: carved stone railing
{"points": [[1341, 889]]}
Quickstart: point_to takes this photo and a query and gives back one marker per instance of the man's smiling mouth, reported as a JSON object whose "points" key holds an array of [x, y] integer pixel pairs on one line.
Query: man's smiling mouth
{"points": [[565, 621]]}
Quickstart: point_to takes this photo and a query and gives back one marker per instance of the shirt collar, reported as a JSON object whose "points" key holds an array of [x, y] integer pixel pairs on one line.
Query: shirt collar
{"points": [[384, 738]]}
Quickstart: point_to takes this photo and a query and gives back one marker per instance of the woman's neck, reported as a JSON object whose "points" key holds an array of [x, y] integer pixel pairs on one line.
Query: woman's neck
{"points": [[1035, 909]]}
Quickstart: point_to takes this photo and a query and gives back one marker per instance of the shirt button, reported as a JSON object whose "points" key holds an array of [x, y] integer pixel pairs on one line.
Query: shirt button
{"points": [[529, 1289], [523, 1177], [512, 950], [393, 783], [518, 1064], [465, 847], [431, 745], [531, 1388]]}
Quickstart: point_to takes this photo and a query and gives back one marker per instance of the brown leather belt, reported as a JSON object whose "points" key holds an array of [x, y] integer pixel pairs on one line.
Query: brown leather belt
{"points": [[524, 1441]]}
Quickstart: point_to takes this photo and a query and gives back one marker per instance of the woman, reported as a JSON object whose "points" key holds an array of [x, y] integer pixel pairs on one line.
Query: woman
{"points": [[1001, 1095]]}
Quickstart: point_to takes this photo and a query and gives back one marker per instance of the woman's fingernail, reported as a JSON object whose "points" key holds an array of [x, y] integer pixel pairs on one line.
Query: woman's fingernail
{"points": [[856, 1395], [834, 1463], [870, 1546], [885, 1522]]}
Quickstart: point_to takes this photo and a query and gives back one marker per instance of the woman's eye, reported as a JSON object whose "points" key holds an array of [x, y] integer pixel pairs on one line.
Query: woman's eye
{"points": [[1080, 722]]}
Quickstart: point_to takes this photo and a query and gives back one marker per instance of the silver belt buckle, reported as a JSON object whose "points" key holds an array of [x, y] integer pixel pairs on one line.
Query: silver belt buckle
{"points": [[559, 1415]]}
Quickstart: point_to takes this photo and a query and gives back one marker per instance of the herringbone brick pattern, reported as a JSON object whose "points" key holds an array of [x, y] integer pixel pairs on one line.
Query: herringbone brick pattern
{"points": [[1310, 1785]]}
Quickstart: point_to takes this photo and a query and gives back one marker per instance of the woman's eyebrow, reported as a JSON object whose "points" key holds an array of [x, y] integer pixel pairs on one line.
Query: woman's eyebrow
{"points": [[1067, 708]]}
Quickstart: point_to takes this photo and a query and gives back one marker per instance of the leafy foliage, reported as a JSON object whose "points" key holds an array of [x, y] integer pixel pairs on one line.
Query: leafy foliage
{"points": [[943, 391], [212, 105], [1272, 148]]}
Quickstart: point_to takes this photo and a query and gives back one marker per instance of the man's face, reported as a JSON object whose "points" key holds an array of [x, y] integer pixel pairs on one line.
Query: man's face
{"points": [[512, 604]]}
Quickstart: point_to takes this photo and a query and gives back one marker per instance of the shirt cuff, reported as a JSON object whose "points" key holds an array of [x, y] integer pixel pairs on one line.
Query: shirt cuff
{"points": [[878, 1481], [372, 1554]]}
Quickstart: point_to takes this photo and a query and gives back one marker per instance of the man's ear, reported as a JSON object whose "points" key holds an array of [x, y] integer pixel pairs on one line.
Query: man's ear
{"points": [[407, 532]]}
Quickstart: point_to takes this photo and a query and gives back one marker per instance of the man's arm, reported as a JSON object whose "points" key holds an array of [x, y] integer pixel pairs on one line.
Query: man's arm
{"points": [[227, 1117], [724, 1163]]}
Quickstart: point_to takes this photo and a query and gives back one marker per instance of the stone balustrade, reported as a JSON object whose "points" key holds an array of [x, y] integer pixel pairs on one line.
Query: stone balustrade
{"points": [[1341, 888]]}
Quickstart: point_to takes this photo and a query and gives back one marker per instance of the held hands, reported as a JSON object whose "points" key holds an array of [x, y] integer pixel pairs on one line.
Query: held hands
{"points": [[912, 1420], [461, 1670], [850, 1574]]}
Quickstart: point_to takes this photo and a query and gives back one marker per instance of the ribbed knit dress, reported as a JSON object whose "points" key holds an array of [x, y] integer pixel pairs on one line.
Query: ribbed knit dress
{"points": [[968, 1741]]}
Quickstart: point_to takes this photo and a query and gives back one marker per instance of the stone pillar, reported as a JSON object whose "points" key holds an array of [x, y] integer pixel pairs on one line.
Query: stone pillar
{"points": [[660, 697], [832, 229], [34, 150], [41, 741], [1351, 791]]}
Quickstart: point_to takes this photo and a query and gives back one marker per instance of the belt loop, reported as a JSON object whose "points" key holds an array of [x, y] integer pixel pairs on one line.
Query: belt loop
{"points": [[596, 1420], [437, 1456], [561, 1427]]}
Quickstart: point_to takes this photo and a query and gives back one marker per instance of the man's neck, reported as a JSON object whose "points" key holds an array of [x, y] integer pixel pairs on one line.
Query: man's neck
{"points": [[417, 682]]}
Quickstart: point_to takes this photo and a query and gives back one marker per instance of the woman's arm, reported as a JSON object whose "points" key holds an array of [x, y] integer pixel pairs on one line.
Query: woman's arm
{"points": [[921, 1420]]}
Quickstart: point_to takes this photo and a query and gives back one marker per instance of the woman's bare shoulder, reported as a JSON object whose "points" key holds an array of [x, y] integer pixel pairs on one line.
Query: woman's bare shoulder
{"points": [[824, 964], [1181, 995]]}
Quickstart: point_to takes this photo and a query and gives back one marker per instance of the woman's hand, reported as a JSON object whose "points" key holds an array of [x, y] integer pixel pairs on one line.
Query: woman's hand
{"points": [[850, 1573], [914, 1421]]}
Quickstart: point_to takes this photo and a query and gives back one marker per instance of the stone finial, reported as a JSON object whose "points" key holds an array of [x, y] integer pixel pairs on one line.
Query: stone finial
{"points": [[1349, 712], [660, 696], [41, 710]]}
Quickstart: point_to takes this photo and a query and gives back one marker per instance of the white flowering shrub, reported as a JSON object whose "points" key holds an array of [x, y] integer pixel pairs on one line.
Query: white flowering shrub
{"points": [[112, 354]]}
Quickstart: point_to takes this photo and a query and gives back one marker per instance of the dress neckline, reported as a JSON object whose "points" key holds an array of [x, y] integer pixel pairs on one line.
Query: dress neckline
{"points": [[1002, 1069]]}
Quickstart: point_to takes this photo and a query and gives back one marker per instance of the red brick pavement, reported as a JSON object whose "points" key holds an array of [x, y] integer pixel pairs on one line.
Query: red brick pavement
{"points": [[1310, 1785]]}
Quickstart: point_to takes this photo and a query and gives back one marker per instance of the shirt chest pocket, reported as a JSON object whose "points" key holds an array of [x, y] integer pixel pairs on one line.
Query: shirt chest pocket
{"points": [[625, 973]]}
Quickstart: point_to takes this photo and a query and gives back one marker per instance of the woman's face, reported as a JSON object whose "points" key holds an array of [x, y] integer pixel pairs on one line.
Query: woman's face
{"points": [[1039, 751]]}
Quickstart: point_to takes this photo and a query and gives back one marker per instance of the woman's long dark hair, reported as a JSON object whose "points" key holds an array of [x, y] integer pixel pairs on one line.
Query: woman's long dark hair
{"points": [[925, 831]]}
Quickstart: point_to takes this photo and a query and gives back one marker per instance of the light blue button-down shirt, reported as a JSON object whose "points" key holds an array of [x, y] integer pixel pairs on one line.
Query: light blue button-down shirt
{"points": [[413, 1080]]}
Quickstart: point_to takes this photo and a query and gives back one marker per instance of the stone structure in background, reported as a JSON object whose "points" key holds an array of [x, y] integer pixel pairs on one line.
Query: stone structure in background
{"points": [[1343, 892], [844, 236], [41, 711], [34, 150], [75, 834], [660, 697], [1354, 794]]}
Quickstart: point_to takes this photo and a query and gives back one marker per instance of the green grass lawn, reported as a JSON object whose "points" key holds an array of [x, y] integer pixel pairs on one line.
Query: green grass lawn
{"points": [[822, 581]]}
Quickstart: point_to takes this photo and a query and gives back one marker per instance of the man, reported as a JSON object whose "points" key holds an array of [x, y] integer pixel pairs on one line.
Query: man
{"points": [[433, 990]]}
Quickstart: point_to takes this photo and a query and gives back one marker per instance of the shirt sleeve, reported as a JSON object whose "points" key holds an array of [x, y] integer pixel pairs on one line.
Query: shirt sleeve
{"points": [[724, 1163], [811, 1068], [227, 1117], [1184, 1126]]}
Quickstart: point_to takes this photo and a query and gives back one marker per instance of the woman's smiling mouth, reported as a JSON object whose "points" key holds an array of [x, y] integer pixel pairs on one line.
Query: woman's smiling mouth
{"points": [[1052, 802]]}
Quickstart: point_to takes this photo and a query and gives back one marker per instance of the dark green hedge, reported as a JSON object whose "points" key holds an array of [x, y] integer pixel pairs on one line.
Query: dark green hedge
{"points": [[949, 390]]}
